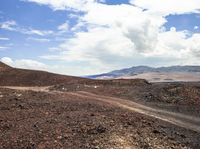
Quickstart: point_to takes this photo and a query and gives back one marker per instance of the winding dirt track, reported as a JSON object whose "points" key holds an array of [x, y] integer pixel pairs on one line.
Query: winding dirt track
{"points": [[35, 89], [181, 120]]}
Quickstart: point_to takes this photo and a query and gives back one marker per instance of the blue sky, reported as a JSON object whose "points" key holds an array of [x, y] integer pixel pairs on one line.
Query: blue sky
{"points": [[81, 37]]}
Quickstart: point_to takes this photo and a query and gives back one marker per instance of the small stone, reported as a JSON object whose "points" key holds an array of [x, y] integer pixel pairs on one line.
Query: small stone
{"points": [[156, 131], [59, 137], [92, 114], [101, 129], [32, 146]]}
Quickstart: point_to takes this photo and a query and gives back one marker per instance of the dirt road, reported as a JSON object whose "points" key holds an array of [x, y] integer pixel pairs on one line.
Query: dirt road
{"points": [[35, 89], [181, 120]]}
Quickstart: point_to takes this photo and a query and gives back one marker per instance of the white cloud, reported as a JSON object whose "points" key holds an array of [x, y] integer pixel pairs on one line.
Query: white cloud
{"points": [[64, 4], [118, 33], [24, 63], [11, 25], [167, 7], [36, 32], [7, 60], [115, 36], [63, 27], [42, 40], [2, 48], [111, 35], [8, 25], [4, 38], [108, 41], [196, 27]]}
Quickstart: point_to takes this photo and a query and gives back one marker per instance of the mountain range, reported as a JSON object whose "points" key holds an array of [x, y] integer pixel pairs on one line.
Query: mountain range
{"points": [[160, 74]]}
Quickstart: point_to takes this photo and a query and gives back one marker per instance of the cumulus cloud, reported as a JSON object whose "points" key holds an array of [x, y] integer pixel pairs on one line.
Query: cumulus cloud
{"points": [[111, 33], [167, 7], [113, 36], [64, 4]]}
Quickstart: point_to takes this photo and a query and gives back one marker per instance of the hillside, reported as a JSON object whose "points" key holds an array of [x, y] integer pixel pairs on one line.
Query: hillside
{"points": [[4, 66], [22, 77]]}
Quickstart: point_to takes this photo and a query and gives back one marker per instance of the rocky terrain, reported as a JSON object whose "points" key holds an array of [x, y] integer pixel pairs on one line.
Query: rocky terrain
{"points": [[40, 110]]}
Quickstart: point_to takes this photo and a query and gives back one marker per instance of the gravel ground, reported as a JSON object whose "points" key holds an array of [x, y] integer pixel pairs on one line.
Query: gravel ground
{"points": [[58, 120]]}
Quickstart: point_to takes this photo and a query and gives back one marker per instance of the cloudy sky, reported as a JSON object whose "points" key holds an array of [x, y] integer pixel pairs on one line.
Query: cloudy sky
{"points": [[81, 37]]}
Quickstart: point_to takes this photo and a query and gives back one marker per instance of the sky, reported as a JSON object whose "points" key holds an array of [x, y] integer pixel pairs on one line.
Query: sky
{"points": [[84, 37]]}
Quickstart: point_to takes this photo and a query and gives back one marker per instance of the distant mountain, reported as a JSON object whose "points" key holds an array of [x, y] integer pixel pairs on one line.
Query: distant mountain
{"points": [[149, 73]]}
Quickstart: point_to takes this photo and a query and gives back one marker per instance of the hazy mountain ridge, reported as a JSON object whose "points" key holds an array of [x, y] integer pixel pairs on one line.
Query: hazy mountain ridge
{"points": [[146, 69]]}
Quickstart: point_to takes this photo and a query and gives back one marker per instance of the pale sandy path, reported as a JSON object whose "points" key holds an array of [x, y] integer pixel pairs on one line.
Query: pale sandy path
{"points": [[181, 120], [36, 88]]}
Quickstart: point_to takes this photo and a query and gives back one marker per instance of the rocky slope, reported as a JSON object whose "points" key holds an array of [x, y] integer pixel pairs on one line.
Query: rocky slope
{"points": [[21, 77]]}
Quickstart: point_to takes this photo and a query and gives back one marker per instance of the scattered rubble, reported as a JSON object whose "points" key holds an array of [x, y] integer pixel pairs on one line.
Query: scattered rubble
{"points": [[58, 119], [45, 120]]}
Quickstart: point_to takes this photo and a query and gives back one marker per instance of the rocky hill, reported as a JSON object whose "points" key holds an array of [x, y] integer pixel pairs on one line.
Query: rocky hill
{"points": [[22, 77]]}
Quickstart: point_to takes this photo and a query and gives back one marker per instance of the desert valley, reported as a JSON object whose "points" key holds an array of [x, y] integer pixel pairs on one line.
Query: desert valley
{"points": [[44, 110], [99, 74]]}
